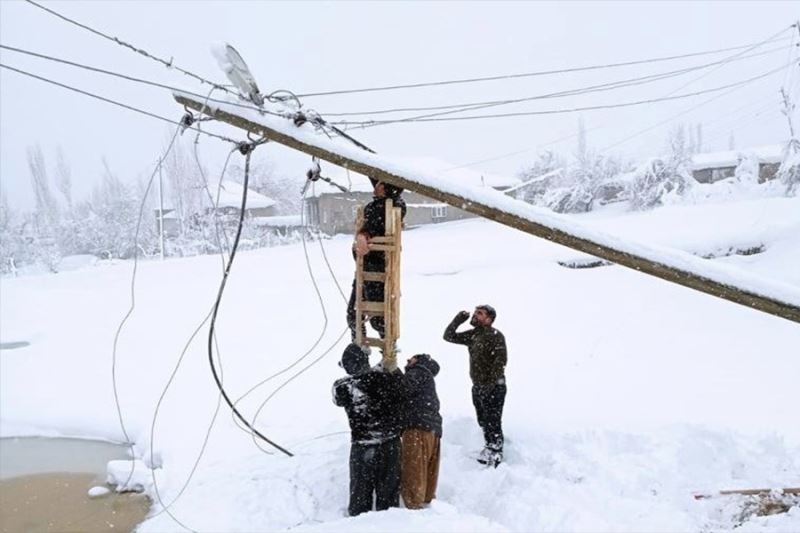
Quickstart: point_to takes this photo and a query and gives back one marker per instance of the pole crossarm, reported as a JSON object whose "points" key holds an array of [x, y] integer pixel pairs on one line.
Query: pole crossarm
{"points": [[676, 266]]}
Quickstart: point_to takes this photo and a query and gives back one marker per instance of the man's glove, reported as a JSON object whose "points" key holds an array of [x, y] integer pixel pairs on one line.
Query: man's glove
{"points": [[462, 316]]}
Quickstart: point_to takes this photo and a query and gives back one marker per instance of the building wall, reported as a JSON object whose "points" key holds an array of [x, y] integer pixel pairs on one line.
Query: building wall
{"points": [[767, 171], [336, 213], [711, 175]]}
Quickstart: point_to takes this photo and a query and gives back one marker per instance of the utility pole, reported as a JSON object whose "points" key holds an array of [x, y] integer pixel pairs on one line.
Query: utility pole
{"points": [[788, 110], [674, 266], [160, 210]]}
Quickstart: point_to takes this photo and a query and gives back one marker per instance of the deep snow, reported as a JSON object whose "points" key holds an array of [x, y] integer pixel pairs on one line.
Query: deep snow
{"points": [[627, 394]]}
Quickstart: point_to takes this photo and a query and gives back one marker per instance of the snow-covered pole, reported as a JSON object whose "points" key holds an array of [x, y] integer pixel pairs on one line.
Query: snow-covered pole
{"points": [[643, 259], [160, 212]]}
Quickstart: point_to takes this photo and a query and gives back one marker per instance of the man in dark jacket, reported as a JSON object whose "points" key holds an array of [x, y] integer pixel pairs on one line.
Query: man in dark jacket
{"points": [[422, 434], [372, 399], [374, 225], [487, 363]]}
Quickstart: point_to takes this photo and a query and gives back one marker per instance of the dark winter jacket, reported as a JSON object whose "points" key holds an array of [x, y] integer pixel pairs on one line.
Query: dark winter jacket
{"points": [[421, 400], [372, 400], [375, 225], [487, 351]]}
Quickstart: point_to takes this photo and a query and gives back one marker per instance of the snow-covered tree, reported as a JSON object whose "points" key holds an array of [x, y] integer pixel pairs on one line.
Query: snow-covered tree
{"points": [[110, 218], [545, 163], [44, 244], [582, 179], [789, 171], [663, 180], [747, 168], [264, 179], [64, 178]]}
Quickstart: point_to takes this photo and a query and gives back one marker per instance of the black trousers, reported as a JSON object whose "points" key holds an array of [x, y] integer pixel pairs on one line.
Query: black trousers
{"points": [[374, 469], [488, 401], [372, 292]]}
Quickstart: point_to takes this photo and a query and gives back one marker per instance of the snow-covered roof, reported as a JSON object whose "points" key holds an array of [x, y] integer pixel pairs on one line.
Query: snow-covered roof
{"points": [[278, 221], [771, 153], [230, 195], [444, 169]]}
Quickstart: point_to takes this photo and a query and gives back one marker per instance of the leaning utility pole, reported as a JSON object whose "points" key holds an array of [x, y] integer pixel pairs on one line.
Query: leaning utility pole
{"points": [[670, 265], [788, 110]]}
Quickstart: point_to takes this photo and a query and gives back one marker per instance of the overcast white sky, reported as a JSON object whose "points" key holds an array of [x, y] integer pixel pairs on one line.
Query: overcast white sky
{"points": [[310, 47]]}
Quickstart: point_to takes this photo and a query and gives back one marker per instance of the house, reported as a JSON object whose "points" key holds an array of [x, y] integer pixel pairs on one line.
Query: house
{"points": [[228, 200], [715, 166], [333, 211]]}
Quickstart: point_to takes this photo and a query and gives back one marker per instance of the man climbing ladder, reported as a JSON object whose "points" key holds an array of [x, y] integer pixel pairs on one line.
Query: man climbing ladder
{"points": [[377, 253]]}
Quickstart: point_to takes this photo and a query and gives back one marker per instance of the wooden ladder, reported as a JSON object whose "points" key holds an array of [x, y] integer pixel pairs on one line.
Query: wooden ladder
{"points": [[389, 308]]}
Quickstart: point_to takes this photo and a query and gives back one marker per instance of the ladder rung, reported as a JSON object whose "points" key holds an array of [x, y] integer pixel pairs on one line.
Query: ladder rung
{"points": [[389, 239], [382, 247], [374, 308], [373, 276], [369, 341]]}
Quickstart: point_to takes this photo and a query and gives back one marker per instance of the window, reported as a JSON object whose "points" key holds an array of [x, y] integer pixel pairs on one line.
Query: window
{"points": [[439, 211]]}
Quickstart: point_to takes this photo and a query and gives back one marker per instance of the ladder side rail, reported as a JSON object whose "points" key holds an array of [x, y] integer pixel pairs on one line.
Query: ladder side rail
{"points": [[359, 289]]}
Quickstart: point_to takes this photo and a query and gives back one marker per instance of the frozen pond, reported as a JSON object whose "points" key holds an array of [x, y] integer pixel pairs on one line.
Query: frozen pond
{"points": [[44, 485], [36, 455]]}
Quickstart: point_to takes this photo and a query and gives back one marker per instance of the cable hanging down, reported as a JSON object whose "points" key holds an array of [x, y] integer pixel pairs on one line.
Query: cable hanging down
{"points": [[245, 149]]}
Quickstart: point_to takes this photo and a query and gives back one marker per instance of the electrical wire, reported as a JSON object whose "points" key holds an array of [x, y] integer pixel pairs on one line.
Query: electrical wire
{"points": [[249, 150], [143, 81], [372, 123], [169, 64], [171, 379], [619, 84], [671, 118], [109, 101], [305, 227], [130, 312], [321, 301], [538, 73]]}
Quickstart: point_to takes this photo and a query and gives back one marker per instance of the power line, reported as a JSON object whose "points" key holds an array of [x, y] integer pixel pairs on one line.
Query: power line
{"points": [[108, 100], [372, 123], [169, 64], [628, 82], [719, 65], [133, 78], [670, 119], [542, 72]]}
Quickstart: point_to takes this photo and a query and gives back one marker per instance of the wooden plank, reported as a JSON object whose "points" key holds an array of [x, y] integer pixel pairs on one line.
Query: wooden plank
{"points": [[372, 308], [373, 276], [372, 341], [746, 492], [359, 283], [656, 268], [381, 247], [389, 361], [396, 282]]}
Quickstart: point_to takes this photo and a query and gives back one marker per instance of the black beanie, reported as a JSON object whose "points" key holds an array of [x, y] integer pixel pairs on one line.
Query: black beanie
{"points": [[354, 360]]}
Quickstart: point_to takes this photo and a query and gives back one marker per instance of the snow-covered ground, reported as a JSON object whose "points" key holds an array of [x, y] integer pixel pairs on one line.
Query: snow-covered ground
{"points": [[627, 394]]}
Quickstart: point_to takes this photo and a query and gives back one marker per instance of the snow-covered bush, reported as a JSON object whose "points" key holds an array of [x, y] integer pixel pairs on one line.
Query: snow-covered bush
{"points": [[789, 171], [747, 169], [658, 182]]}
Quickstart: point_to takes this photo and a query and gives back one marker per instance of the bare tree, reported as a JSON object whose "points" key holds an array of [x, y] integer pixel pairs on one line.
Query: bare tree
{"points": [[46, 205], [64, 178]]}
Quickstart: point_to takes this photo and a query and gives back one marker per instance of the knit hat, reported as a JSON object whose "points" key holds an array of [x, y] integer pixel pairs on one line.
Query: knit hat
{"points": [[354, 360]]}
